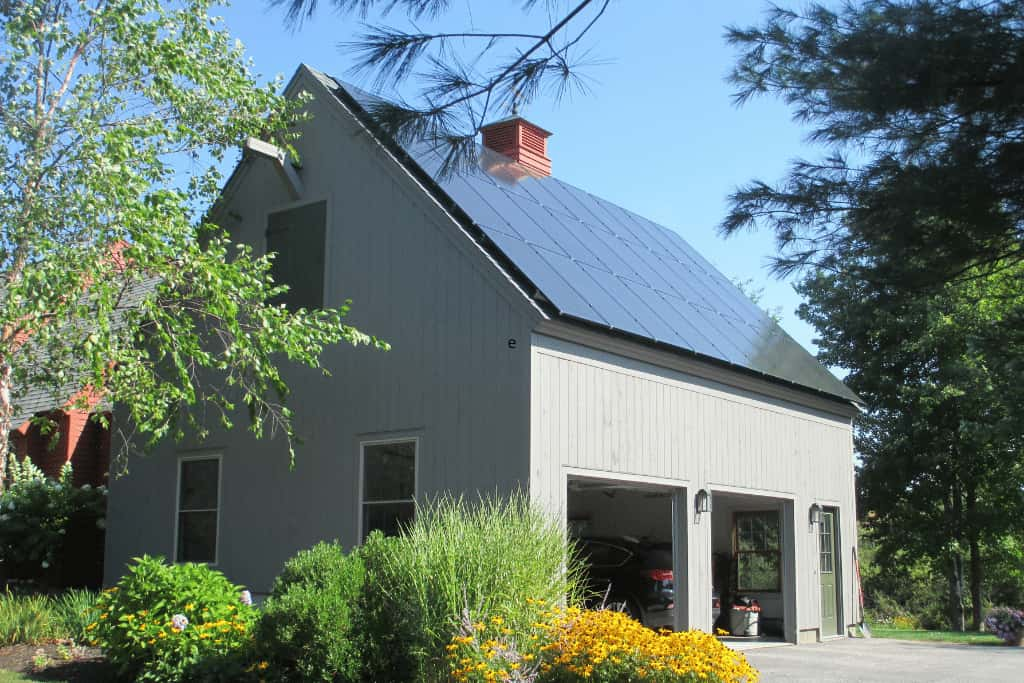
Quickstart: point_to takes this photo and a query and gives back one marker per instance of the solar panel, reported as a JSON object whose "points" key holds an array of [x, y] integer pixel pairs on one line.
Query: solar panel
{"points": [[597, 262]]}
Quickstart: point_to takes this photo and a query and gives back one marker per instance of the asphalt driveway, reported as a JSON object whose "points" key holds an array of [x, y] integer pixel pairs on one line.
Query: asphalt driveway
{"points": [[854, 659]]}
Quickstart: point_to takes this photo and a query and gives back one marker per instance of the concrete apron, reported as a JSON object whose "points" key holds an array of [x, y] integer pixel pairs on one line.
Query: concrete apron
{"points": [[744, 643]]}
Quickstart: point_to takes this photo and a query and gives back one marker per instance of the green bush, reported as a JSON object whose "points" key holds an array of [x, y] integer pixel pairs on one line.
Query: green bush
{"points": [[36, 515], [174, 622], [305, 631], [491, 555]]}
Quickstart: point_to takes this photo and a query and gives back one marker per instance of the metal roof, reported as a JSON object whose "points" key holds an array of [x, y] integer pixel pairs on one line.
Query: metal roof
{"points": [[600, 264]]}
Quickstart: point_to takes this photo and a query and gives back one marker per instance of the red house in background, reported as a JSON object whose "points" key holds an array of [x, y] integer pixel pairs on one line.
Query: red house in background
{"points": [[80, 440]]}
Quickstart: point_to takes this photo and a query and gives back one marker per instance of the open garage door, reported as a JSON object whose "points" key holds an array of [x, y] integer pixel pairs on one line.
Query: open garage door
{"points": [[625, 534], [751, 562]]}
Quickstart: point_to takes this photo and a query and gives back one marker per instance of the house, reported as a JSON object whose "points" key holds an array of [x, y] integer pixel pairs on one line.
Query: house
{"points": [[543, 339], [69, 435]]}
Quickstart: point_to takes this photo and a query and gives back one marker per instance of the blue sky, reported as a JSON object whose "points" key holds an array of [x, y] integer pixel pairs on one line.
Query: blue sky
{"points": [[657, 134]]}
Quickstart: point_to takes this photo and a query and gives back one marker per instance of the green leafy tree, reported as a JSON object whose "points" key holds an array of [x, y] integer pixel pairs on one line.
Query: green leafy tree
{"points": [[919, 105], [942, 454], [468, 77], [113, 117]]}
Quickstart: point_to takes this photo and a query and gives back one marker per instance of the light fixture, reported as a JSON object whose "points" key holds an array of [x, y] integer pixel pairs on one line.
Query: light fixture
{"points": [[702, 502], [815, 514]]}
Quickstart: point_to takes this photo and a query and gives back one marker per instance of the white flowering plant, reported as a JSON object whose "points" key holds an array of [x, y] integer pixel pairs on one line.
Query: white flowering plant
{"points": [[37, 516]]}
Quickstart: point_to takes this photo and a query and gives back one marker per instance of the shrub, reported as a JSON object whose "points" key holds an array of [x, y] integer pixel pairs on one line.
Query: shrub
{"points": [[492, 555], [1007, 623], [305, 631], [36, 515], [163, 621], [569, 645]]}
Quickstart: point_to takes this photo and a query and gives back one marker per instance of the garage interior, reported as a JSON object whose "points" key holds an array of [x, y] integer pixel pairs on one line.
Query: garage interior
{"points": [[625, 533], [747, 558]]}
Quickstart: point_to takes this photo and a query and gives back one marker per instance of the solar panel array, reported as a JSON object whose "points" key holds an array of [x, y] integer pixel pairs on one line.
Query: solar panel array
{"points": [[597, 262]]}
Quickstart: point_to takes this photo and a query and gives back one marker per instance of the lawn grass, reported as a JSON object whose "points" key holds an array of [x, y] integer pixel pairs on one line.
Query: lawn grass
{"points": [[967, 637], [12, 677]]}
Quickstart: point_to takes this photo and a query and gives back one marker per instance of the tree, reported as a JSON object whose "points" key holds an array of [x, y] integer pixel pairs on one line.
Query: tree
{"points": [[920, 105], [942, 452], [113, 114], [466, 85]]}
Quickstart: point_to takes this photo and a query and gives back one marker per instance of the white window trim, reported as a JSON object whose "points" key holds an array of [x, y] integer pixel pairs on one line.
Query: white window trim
{"points": [[362, 474], [177, 503]]}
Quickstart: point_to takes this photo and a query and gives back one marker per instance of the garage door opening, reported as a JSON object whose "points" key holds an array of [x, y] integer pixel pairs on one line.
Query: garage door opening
{"points": [[749, 566], [625, 534]]}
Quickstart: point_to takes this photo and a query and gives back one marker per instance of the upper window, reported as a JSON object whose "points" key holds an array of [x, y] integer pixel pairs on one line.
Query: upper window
{"points": [[825, 542], [389, 486], [758, 556], [198, 505], [297, 237]]}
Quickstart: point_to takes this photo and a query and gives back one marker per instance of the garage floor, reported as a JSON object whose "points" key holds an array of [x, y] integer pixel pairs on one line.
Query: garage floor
{"points": [[855, 659]]}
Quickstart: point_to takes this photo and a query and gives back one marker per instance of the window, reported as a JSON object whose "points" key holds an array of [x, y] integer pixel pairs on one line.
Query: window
{"points": [[389, 486], [758, 557], [825, 546], [604, 555], [297, 237], [198, 503]]}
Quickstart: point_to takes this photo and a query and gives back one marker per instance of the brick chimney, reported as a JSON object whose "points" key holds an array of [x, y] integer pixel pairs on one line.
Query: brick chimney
{"points": [[521, 141]]}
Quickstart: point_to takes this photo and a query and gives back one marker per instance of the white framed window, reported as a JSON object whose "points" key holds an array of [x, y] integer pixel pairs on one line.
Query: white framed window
{"points": [[197, 514], [387, 485]]}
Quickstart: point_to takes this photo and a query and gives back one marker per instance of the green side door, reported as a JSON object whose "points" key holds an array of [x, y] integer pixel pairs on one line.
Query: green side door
{"points": [[829, 600], [827, 550]]}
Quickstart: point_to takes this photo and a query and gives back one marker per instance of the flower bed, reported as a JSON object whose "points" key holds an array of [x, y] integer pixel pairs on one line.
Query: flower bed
{"points": [[566, 645]]}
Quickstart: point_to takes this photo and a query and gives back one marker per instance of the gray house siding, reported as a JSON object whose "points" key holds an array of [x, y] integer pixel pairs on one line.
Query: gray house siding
{"points": [[601, 414], [451, 379]]}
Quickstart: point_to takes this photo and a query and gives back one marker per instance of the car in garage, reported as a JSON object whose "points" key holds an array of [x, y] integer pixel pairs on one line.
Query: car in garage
{"points": [[633, 576]]}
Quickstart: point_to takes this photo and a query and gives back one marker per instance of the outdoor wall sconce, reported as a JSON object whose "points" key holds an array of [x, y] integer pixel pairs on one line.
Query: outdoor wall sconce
{"points": [[815, 514], [702, 502]]}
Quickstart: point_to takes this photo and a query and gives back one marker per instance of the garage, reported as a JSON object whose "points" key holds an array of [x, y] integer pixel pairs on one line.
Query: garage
{"points": [[625, 534], [752, 563]]}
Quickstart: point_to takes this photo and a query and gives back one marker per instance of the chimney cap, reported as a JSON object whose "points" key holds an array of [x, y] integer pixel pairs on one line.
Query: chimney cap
{"points": [[516, 118]]}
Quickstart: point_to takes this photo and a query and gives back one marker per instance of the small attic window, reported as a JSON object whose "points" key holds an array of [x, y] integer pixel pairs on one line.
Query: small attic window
{"points": [[296, 235]]}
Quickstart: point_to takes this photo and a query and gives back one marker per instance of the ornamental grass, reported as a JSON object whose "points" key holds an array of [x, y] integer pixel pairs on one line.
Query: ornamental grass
{"points": [[569, 644]]}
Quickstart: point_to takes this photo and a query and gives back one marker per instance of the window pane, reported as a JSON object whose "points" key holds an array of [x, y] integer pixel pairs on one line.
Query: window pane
{"points": [[604, 555], [757, 531], [197, 536], [198, 484], [389, 471], [388, 518], [758, 571]]}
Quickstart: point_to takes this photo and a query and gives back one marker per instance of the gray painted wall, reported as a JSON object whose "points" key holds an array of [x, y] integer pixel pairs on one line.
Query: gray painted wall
{"points": [[607, 414], [451, 379]]}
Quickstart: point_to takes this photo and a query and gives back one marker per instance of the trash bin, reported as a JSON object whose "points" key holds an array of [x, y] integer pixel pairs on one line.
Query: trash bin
{"points": [[744, 616]]}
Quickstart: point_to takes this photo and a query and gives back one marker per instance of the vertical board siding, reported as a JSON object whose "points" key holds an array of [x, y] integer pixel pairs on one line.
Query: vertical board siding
{"points": [[450, 379], [595, 411]]}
